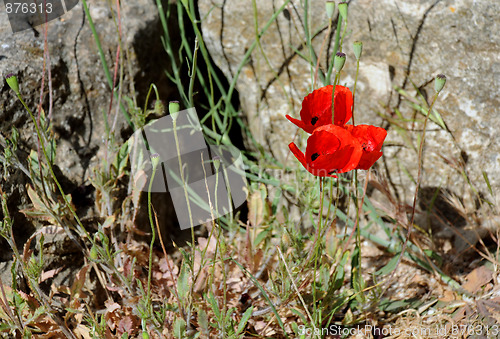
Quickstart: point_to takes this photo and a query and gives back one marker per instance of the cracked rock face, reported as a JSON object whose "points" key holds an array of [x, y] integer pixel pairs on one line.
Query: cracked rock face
{"points": [[80, 92], [405, 44]]}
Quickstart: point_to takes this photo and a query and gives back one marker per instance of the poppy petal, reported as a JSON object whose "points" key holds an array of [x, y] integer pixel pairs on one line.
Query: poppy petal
{"points": [[298, 154], [368, 159], [343, 105], [316, 108], [337, 150], [371, 139], [297, 122]]}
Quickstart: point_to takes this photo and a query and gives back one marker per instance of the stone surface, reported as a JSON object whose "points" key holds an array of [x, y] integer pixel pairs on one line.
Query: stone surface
{"points": [[406, 44], [80, 93]]}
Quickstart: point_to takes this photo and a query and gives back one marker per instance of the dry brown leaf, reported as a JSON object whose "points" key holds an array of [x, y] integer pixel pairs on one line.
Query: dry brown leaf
{"points": [[166, 265], [49, 274], [79, 282], [127, 324], [52, 334], [111, 306], [82, 332], [448, 296], [255, 209], [209, 247], [257, 259], [49, 327], [477, 279], [201, 282]]}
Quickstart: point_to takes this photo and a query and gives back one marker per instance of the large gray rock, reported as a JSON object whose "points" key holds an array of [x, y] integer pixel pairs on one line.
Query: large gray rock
{"points": [[406, 43], [81, 94]]}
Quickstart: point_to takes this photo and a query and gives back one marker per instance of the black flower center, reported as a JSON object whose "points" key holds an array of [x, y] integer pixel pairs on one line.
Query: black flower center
{"points": [[314, 156], [314, 120]]}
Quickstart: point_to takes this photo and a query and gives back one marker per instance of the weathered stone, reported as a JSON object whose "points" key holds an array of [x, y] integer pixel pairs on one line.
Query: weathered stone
{"points": [[406, 44], [80, 94]]}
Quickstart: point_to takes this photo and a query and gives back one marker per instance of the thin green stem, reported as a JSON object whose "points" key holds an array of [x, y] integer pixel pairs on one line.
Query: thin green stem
{"points": [[321, 52], [151, 87], [193, 72], [317, 241], [343, 35], [103, 60], [337, 77], [335, 50], [417, 186], [307, 34], [247, 55], [354, 91], [153, 234], [186, 195], [49, 166]]}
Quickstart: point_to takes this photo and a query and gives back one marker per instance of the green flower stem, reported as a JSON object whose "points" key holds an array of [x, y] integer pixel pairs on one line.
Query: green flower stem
{"points": [[67, 203], [419, 178], [32, 283], [44, 150], [217, 245], [186, 195], [355, 176], [193, 73], [330, 197], [343, 35], [317, 242], [103, 59], [214, 226], [335, 50], [246, 58], [321, 52], [153, 233], [354, 91], [359, 207], [335, 81], [308, 38]]}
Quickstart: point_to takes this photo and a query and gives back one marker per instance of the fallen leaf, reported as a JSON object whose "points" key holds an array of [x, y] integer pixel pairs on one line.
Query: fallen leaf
{"points": [[49, 274], [477, 279], [255, 209]]}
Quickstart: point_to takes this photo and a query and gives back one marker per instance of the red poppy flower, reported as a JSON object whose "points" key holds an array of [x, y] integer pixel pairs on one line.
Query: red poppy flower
{"points": [[330, 149], [371, 139], [317, 108]]}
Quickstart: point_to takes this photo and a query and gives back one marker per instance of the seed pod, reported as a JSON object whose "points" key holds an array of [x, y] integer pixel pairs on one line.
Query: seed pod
{"points": [[439, 82], [339, 61]]}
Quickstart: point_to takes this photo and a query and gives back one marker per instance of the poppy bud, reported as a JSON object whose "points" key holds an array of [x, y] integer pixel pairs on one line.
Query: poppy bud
{"points": [[330, 8], [439, 82], [155, 159], [173, 109], [339, 61], [216, 162], [343, 9], [12, 82], [357, 46], [94, 254]]}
